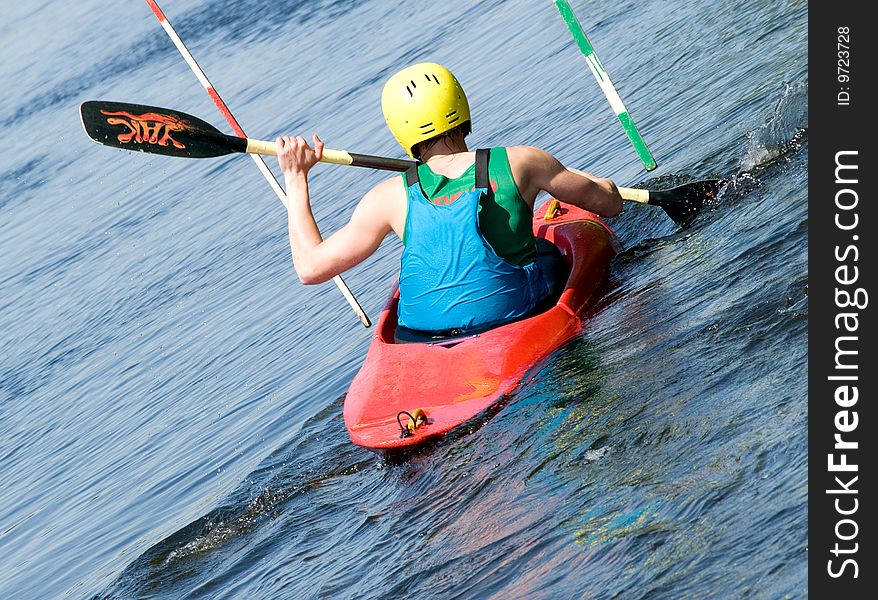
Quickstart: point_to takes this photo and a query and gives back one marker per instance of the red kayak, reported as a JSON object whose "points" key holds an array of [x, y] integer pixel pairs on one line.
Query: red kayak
{"points": [[408, 393]]}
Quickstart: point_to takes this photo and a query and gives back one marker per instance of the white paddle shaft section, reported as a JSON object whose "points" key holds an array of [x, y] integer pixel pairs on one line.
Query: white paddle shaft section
{"points": [[266, 172], [266, 148], [261, 147], [634, 195]]}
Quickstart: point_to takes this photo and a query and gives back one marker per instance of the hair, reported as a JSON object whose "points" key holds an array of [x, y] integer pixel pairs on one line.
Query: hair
{"points": [[463, 129]]}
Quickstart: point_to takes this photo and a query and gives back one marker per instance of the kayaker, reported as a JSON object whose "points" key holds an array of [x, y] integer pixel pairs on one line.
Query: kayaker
{"points": [[470, 260]]}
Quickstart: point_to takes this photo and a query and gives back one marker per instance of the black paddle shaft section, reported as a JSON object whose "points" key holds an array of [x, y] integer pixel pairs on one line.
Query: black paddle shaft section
{"points": [[155, 130], [379, 162]]}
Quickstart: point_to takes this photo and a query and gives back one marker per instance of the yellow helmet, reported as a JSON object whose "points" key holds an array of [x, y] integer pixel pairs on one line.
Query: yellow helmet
{"points": [[422, 102]]}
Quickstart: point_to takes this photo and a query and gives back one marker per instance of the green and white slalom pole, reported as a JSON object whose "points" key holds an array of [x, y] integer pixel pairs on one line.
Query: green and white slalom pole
{"points": [[607, 87]]}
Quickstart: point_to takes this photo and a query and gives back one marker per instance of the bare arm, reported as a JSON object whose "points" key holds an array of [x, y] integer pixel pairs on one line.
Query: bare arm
{"points": [[317, 260], [535, 170]]}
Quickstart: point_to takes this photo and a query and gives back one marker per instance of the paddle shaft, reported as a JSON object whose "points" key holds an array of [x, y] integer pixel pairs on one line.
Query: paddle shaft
{"points": [[172, 133], [634, 195], [336, 157], [342, 157], [230, 118], [603, 79]]}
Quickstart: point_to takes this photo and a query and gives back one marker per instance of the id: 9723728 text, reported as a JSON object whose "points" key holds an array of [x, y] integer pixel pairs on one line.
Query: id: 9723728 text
{"points": [[843, 71]]}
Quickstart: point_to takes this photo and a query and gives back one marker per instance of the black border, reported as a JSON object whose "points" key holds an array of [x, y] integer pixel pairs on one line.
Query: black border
{"points": [[833, 128]]}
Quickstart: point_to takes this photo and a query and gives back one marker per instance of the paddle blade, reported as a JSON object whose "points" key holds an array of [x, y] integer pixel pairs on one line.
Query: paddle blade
{"points": [[155, 130], [682, 203]]}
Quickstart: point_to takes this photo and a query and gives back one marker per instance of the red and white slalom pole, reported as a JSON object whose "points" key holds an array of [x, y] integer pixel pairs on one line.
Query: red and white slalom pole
{"points": [[269, 176]]}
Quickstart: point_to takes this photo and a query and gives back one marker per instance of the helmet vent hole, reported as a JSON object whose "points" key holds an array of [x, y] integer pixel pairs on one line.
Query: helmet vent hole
{"points": [[425, 125], [434, 79], [451, 114], [413, 84], [409, 90]]}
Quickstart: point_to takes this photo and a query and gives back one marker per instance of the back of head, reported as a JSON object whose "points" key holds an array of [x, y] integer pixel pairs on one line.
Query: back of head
{"points": [[422, 102]]}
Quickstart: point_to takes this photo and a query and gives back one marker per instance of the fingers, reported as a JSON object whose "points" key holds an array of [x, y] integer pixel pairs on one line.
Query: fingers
{"points": [[318, 146], [285, 143], [294, 153], [298, 142]]}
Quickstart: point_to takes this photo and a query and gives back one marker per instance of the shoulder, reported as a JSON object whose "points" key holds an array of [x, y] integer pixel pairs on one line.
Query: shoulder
{"points": [[532, 165], [391, 185], [385, 203], [529, 156]]}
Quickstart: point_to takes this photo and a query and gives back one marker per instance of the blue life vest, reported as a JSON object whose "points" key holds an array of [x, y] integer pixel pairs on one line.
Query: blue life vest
{"points": [[451, 278]]}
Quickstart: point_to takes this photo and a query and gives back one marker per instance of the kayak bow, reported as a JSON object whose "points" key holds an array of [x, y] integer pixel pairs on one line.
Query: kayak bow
{"points": [[408, 393]]}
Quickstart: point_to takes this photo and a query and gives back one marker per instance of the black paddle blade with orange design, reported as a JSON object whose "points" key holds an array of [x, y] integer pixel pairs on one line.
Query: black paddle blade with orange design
{"points": [[155, 130]]}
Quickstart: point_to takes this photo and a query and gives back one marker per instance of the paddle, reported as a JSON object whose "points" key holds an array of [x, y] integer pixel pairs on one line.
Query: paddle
{"points": [[172, 133], [681, 203]]}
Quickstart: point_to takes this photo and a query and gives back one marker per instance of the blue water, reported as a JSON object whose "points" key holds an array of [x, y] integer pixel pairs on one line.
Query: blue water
{"points": [[171, 396]]}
